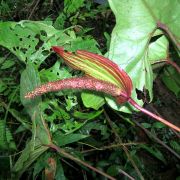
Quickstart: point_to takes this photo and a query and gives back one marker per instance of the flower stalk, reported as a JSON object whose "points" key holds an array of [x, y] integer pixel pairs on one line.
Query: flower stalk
{"points": [[103, 76], [132, 102]]}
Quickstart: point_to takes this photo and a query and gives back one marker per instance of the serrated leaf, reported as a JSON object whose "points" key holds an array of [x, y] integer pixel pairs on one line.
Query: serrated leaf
{"points": [[72, 6], [6, 138]]}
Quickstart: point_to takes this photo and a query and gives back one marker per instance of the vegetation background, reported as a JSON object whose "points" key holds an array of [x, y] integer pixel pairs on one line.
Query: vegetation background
{"points": [[94, 137]]}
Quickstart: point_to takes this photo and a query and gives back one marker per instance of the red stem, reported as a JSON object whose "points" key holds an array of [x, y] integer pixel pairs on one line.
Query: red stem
{"points": [[172, 63], [169, 33], [131, 101]]}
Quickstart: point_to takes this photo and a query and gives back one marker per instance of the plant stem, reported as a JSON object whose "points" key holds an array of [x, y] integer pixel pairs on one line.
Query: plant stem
{"points": [[172, 63], [118, 140], [131, 101], [69, 156], [168, 61], [171, 36]]}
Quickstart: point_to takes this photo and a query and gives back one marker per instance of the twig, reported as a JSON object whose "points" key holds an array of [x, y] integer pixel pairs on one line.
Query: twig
{"points": [[111, 147], [69, 156], [124, 147], [157, 139], [30, 15], [126, 174]]}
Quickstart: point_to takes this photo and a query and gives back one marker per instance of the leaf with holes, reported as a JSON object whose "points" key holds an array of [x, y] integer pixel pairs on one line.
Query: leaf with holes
{"points": [[30, 40]]}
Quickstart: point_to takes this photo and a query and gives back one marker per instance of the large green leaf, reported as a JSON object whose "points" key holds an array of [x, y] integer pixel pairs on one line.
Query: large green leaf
{"points": [[31, 40], [130, 48]]}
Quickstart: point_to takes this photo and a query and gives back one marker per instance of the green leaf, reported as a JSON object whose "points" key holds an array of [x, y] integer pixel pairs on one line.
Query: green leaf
{"points": [[155, 152], [3, 86], [87, 116], [171, 78], [59, 172], [158, 50], [31, 41], [72, 6], [92, 100], [63, 140], [136, 23], [29, 81], [56, 72], [175, 145], [158, 125], [146, 125], [7, 64], [88, 44], [114, 170], [40, 164]]}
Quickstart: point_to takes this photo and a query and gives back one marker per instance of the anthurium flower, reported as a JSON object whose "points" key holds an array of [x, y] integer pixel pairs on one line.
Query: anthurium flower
{"points": [[101, 75], [98, 67]]}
